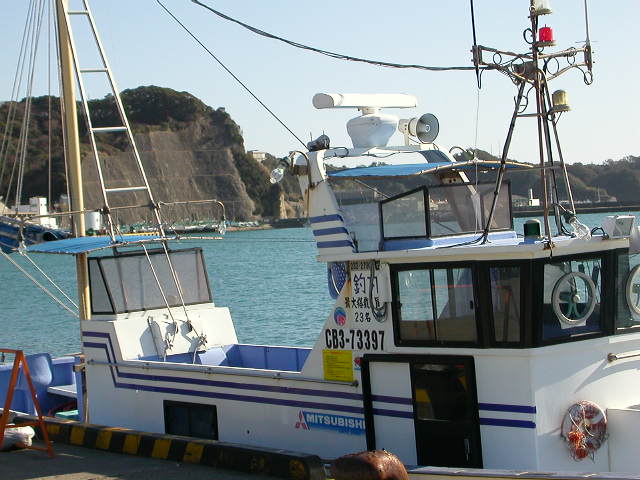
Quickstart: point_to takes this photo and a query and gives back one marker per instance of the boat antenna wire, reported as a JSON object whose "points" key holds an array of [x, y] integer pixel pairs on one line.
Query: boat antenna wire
{"points": [[586, 21], [230, 72], [475, 46], [328, 53]]}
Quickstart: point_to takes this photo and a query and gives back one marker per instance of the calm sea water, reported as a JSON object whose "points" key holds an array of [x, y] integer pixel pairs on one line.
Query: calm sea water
{"points": [[270, 279]]}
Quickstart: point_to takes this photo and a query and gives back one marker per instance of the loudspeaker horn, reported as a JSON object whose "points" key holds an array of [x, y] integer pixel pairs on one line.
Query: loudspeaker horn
{"points": [[425, 128]]}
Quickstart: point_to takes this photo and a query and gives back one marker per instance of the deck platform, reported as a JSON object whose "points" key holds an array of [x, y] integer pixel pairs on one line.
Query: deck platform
{"points": [[79, 463]]}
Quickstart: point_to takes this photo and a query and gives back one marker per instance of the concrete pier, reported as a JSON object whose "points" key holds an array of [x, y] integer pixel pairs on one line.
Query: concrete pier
{"points": [[79, 463]]}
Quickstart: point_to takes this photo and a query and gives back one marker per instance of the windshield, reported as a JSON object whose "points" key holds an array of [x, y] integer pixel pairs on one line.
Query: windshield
{"points": [[127, 283]]}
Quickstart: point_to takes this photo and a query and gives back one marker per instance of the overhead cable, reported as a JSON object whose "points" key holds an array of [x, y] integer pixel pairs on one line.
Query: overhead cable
{"points": [[230, 72], [328, 53]]}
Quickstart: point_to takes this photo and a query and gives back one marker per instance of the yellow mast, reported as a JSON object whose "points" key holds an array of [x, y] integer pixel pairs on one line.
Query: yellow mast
{"points": [[72, 152]]}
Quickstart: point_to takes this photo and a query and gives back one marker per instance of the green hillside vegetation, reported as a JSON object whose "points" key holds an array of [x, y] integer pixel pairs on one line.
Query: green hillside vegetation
{"points": [[589, 182]]}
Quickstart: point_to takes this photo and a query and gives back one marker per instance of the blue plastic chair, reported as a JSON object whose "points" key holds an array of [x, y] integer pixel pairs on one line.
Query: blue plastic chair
{"points": [[41, 370]]}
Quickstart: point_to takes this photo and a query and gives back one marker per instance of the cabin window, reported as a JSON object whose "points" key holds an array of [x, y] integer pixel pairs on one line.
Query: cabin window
{"points": [[436, 305], [363, 223], [505, 301], [464, 208], [358, 202], [404, 216], [628, 292], [127, 282], [571, 298], [191, 419], [100, 302]]}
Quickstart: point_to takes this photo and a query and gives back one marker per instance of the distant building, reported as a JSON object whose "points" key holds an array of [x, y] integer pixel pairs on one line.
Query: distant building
{"points": [[38, 208], [533, 202], [520, 201], [257, 155]]}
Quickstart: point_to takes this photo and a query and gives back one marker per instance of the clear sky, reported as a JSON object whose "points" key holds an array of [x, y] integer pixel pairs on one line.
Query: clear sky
{"points": [[146, 47]]}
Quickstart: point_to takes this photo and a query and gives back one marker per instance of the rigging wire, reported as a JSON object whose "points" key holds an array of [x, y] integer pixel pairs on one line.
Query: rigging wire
{"points": [[49, 279], [49, 106], [38, 284], [13, 105], [62, 115], [27, 116], [475, 151], [328, 53], [201, 339], [253, 240], [192, 35], [168, 343], [21, 144]]}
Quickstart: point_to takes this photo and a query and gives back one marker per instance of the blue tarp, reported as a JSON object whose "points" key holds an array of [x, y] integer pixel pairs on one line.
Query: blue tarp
{"points": [[408, 170], [72, 246]]}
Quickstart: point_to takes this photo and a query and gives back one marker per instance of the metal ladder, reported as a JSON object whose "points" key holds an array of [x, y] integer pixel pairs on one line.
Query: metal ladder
{"points": [[124, 127]]}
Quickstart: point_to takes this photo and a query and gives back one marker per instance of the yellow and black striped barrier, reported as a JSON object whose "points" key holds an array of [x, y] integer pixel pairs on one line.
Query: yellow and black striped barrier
{"points": [[277, 463]]}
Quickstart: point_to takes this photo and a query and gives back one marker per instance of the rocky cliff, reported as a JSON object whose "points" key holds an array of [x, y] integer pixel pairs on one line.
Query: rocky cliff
{"points": [[190, 152]]}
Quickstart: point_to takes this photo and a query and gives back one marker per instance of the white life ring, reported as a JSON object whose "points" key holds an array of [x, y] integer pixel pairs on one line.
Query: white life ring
{"points": [[574, 299], [634, 306], [584, 428]]}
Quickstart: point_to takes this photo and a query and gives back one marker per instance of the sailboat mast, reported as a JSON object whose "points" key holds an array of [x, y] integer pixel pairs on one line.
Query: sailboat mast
{"points": [[72, 151]]}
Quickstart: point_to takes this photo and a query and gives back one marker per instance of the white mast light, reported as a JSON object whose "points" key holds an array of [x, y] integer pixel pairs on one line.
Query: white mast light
{"points": [[541, 7]]}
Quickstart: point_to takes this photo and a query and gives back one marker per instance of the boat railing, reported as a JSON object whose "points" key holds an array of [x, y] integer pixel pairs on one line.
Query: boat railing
{"points": [[612, 357], [22, 222], [219, 370]]}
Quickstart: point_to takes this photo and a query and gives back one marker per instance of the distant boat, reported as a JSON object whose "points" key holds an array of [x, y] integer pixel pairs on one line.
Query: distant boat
{"points": [[291, 222], [32, 233], [16, 227]]}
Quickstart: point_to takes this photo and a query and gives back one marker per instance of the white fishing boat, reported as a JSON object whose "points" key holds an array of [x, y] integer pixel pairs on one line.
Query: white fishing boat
{"points": [[454, 340]]}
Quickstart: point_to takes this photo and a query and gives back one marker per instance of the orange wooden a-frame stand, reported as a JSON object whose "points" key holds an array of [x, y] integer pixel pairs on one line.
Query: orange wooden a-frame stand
{"points": [[4, 418]]}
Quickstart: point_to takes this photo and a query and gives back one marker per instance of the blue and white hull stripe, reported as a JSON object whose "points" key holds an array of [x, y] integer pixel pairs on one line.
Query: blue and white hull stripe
{"points": [[303, 398], [331, 233], [507, 415], [501, 415]]}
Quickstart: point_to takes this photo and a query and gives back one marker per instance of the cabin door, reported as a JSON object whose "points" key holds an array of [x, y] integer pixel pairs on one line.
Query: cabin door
{"points": [[446, 412], [423, 408], [388, 408]]}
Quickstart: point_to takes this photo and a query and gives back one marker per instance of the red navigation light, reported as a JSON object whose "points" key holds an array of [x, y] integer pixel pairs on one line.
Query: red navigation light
{"points": [[545, 35]]}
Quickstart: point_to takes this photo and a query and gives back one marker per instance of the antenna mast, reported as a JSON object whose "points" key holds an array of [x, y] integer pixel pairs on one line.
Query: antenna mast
{"points": [[536, 69]]}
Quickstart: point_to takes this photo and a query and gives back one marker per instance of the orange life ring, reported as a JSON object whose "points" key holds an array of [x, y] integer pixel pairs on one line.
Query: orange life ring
{"points": [[584, 428]]}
